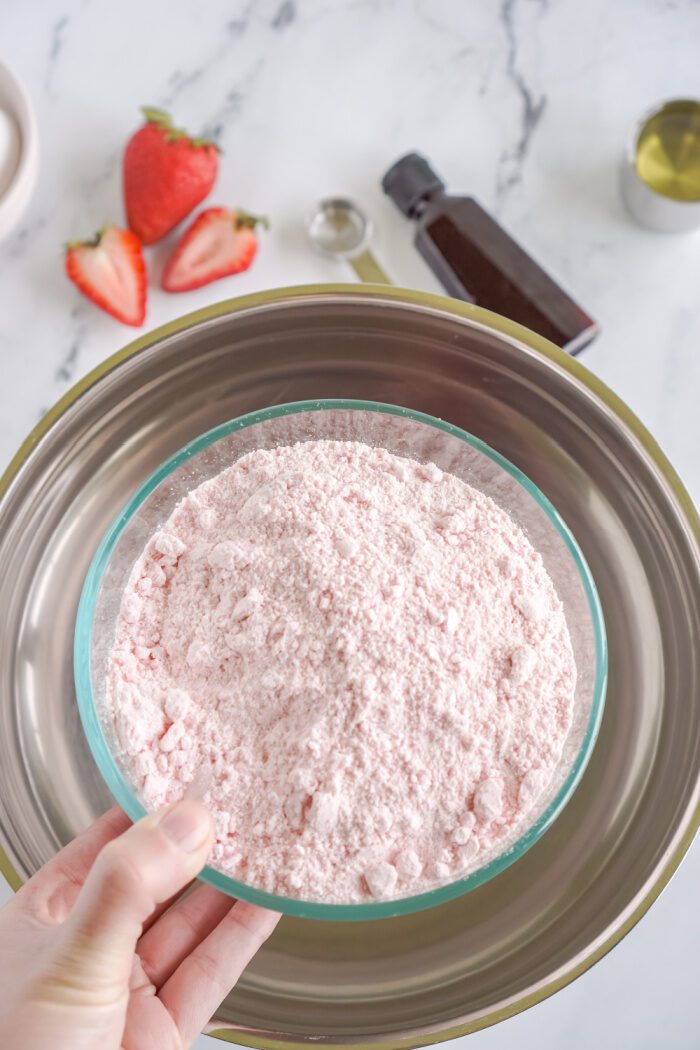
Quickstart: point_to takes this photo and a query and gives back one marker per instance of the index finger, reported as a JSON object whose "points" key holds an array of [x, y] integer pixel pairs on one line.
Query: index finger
{"points": [[208, 974]]}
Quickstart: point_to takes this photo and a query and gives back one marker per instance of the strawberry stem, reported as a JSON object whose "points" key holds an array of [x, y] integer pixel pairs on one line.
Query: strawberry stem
{"points": [[244, 220], [91, 243], [163, 120], [157, 116]]}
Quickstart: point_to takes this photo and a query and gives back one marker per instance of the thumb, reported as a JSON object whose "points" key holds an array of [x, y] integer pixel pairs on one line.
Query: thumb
{"points": [[145, 866]]}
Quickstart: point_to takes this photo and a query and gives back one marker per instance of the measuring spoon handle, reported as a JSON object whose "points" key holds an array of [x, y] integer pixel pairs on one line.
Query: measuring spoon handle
{"points": [[368, 269]]}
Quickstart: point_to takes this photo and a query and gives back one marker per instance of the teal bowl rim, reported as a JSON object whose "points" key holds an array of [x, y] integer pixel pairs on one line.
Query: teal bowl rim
{"points": [[292, 906]]}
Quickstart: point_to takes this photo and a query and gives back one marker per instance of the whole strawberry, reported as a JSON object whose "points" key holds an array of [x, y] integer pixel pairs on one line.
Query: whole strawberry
{"points": [[166, 175]]}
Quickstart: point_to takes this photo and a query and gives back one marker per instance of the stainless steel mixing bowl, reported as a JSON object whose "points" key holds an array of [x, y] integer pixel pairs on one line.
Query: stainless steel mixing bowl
{"points": [[412, 980]]}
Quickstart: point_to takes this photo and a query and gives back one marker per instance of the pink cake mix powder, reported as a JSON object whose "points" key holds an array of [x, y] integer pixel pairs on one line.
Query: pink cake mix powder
{"points": [[359, 659]]}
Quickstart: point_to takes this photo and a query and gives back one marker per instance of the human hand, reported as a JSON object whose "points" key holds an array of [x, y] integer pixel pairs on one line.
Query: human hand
{"points": [[95, 954]]}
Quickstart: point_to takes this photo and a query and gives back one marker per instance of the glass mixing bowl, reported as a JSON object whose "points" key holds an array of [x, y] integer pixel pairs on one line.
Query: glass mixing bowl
{"points": [[405, 433]]}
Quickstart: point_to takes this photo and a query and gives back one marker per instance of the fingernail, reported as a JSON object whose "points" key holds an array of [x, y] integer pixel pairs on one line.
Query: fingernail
{"points": [[186, 824]]}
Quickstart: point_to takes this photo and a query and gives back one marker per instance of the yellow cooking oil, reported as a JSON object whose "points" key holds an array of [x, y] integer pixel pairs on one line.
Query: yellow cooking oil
{"points": [[668, 151]]}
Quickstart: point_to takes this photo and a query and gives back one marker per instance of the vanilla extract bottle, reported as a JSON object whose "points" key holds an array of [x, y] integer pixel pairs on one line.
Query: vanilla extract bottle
{"points": [[477, 261]]}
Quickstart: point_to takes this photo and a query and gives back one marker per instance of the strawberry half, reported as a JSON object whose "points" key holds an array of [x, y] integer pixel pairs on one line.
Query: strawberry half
{"points": [[166, 174], [109, 270], [220, 242]]}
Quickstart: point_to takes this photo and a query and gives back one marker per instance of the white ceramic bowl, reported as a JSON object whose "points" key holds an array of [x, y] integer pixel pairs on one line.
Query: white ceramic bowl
{"points": [[14, 199]]}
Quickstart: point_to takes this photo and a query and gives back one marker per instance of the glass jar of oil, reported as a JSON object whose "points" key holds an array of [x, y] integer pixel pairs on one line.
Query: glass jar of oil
{"points": [[661, 172]]}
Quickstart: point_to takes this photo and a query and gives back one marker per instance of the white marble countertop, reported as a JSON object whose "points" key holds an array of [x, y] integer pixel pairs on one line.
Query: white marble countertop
{"points": [[524, 103]]}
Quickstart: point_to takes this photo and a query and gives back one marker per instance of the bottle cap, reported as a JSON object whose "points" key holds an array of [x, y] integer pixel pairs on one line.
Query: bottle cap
{"points": [[410, 181]]}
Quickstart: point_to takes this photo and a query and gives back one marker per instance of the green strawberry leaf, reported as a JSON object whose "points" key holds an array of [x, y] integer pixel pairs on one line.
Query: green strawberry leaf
{"points": [[163, 120], [157, 116], [244, 220]]}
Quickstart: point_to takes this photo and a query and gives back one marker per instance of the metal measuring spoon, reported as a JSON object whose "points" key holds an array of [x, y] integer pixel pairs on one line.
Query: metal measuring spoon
{"points": [[339, 230]]}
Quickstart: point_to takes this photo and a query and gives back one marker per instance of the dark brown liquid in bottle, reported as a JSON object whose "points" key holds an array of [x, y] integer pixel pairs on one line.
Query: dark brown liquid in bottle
{"points": [[477, 261]]}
